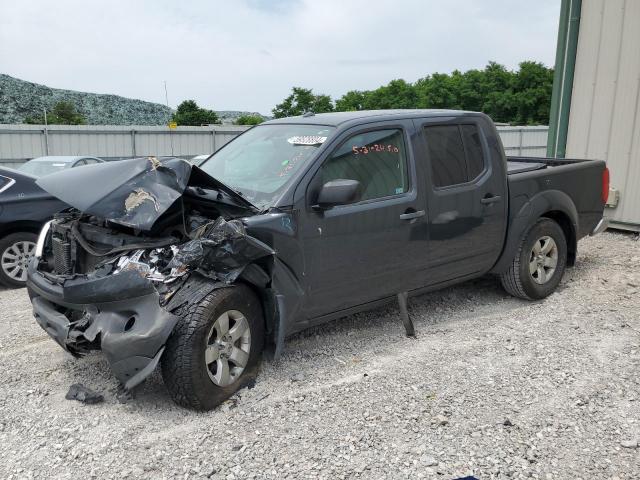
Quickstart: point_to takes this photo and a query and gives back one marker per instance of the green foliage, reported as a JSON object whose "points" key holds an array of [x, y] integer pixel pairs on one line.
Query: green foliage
{"points": [[63, 113], [249, 120], [520, 97], [303, 100], [351, 101], [397, 94], [189, 113]]}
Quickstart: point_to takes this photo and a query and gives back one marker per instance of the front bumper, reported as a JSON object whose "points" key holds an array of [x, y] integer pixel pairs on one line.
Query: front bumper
{"points": [[118, 314], [602, 225]]}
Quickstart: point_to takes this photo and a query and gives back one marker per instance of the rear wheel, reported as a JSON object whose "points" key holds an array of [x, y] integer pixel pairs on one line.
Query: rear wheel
{"points": [[16, 250], [539, 263], [215, 348]]}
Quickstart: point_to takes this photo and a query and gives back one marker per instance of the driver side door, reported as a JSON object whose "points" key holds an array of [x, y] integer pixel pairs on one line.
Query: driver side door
{"points": [[364, 251]]}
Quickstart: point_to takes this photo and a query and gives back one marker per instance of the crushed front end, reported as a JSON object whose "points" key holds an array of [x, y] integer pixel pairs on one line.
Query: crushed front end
{"points": [[116, 280]]}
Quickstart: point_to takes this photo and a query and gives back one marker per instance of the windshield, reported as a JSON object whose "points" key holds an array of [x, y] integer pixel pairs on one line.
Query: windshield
{"points": [[40, 168], [260, 163]]}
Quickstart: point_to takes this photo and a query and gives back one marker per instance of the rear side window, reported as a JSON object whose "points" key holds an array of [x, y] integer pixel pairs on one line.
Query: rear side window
{"points": [[5, 183], [473, 150], [446, 151], [455, 152], [376, 159]]}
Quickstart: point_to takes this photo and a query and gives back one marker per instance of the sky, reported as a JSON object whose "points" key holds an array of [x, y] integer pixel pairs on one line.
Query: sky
{"points": [[248, 54]]}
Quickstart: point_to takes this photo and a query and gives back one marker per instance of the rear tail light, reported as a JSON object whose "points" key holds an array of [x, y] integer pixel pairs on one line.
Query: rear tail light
{"points": [[605, 185]]}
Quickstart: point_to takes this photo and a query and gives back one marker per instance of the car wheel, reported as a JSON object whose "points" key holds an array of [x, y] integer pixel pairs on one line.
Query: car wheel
{"points": [[539, 263], [215, 348], [16, 250]]}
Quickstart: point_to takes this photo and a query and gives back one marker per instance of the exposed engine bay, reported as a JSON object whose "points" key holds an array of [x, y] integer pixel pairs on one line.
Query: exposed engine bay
{"points": [[83, 246]]}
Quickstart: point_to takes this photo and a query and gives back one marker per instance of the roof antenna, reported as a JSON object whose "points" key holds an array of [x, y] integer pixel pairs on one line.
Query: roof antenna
{"points": [[308, 114]]}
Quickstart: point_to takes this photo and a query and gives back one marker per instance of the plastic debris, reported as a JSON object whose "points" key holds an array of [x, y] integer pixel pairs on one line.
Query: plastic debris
{"points": [[79, 392]]}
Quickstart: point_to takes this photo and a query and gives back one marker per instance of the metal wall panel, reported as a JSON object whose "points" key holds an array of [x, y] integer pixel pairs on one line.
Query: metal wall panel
{"points": [[524, 141], [19, 143], [605, 109]]}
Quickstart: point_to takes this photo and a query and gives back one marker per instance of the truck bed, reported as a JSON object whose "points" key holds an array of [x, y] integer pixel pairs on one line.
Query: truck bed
{"points": [[528, 164], [579, 180]]}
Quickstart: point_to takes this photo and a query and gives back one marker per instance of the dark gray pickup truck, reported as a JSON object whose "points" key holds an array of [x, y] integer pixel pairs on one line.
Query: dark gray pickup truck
{"points": [[296, 222]]}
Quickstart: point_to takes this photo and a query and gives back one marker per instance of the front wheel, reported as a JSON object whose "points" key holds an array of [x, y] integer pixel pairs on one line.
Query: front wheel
{"points": [[214, 348], [539, 263]]}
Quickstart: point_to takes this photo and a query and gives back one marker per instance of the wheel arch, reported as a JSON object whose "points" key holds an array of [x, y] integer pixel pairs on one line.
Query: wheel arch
{"points": [[569, 230], [257, 279], [21, 226], [552, 204]]}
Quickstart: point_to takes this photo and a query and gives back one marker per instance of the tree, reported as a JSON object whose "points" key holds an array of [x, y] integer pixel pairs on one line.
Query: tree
{"points": [[533, 84], [396, 94], [189, 113], [352, 101], [517, 97], [62, 113], [302, 100], [249, 120]]}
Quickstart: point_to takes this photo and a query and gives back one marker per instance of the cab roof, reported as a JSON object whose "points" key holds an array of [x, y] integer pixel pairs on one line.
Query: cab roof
{"points": [[338, 118]]}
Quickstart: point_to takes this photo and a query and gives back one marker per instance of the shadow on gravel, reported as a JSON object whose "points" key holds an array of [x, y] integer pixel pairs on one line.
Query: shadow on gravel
{"points": [[433, 309], [439, 307]]}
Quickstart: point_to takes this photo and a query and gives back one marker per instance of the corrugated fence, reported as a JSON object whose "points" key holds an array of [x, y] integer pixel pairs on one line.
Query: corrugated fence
{"points": [[19, 143]]}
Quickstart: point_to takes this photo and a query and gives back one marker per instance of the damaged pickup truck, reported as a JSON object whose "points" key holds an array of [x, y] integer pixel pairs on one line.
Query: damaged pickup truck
{"points": [[295, 222]]}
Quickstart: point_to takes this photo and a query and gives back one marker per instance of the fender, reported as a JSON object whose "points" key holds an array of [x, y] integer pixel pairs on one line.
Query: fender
{"points": [[552, 203], [288, 298]]}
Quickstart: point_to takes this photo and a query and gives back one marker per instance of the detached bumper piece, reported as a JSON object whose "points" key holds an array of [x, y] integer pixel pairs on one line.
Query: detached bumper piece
{"points": [[131, 333]]}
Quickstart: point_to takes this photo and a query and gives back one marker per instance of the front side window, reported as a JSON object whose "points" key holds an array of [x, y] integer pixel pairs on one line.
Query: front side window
{"points": [[376, 159], [260, 163]]}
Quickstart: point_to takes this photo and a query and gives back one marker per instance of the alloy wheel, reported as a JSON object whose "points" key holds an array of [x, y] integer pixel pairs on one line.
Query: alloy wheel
{"points": [[543, 260], [228, 348], [15, 260]]}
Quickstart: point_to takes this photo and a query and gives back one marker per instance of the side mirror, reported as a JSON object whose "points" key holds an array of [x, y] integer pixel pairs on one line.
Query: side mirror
{"points": [[338, 192]]}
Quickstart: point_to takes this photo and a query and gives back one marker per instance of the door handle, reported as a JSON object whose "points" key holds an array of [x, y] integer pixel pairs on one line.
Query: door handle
{"points": [[412, 215], [491, 199]]}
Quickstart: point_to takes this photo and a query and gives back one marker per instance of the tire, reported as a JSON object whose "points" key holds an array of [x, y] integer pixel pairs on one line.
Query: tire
{"points": [[16, 250], [199, 338], [520, 280]]}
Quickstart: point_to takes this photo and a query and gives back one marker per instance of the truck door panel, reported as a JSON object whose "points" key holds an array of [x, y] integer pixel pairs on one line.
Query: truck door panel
{"points": [[365, 251], [466, 199]]}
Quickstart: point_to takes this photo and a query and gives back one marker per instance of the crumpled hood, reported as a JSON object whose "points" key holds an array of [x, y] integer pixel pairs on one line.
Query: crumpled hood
{"points": [[132, 192]]}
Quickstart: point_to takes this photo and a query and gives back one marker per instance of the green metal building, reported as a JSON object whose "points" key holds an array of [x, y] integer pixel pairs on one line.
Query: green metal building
{"points": [[595, 111]]}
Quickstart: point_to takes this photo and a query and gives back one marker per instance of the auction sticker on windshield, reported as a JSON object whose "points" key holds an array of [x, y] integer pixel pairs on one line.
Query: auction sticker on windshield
{"points": [[307, 140]]}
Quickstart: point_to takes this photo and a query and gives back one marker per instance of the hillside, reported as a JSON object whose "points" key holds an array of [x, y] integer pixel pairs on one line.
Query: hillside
{"points": [[19, 99]]}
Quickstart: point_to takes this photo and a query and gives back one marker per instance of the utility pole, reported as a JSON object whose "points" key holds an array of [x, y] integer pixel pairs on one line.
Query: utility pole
{"points": [[46, 133], [166, 99]]}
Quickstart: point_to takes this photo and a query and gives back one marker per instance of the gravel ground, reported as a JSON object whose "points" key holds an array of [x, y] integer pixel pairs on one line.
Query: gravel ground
{"points": [[492, 387]]}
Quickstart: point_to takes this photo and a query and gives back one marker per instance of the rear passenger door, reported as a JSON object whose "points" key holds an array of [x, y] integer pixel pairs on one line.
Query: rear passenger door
{"points": [[466, 198]]}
